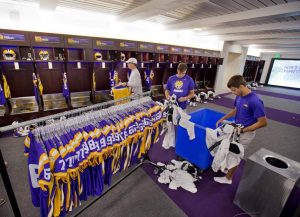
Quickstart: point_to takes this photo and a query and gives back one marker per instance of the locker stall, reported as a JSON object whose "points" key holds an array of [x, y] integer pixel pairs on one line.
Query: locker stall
{"points": [[260, 69], [252, 68], [127, 49], [49, 57], [79, 69], [201, 70], [105, 55], [210, 73], [161, 61], [17, 70], [191, 61], [145, 57]]}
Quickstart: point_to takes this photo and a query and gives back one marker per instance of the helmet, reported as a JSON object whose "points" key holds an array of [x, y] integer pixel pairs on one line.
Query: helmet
{"points": [[98, 56], [9, 54], [44, 55]]}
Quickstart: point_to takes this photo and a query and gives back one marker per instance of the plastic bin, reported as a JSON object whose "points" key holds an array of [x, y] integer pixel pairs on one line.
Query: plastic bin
{"points": [[195, 151]]}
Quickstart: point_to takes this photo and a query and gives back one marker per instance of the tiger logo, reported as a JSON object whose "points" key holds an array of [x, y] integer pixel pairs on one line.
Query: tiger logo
{"points": [[178, 84]]}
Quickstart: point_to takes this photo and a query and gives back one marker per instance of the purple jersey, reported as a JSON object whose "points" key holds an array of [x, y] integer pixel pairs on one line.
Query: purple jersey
{"points": [[38, 172], [66, 185], [148, 78], [181, 87], [248, 109], [58, 169], [2, 96]]}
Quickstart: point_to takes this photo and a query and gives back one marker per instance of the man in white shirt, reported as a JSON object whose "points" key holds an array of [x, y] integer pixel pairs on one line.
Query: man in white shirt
{"points": [[135, 82]]}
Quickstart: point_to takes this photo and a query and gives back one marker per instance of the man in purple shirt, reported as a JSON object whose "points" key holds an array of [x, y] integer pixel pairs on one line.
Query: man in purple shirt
{"points": [[181, 85], [249, 111]]}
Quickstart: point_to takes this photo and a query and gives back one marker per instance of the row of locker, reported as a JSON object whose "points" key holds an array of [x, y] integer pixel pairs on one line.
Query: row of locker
{"points": [[253, 70], [80, 81], [50, 55]]}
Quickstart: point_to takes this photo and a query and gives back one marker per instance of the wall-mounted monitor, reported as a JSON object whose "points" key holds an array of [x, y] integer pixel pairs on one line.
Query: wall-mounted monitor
{"points": [[284, 73]]}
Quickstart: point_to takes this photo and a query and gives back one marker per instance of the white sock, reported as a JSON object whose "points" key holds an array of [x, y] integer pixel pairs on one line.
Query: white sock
{"points": [[223, 180]]}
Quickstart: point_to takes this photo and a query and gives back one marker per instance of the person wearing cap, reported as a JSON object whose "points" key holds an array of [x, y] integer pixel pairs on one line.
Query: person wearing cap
{"points": [[180, 85], [134, 82]]}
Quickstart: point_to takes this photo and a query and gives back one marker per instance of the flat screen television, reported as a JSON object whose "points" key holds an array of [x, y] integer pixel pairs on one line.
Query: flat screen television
{"points": [[284, 73]]}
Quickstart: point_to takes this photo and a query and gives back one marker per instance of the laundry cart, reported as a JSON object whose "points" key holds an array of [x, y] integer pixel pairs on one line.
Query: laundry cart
{"points": [[195, 151]]}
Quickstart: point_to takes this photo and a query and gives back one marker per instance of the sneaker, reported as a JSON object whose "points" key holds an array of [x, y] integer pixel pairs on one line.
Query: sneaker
{"points": [[223, 180]]}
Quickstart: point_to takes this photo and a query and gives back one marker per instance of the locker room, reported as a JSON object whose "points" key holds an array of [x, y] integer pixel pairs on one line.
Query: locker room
{"points": [[133, 108]]}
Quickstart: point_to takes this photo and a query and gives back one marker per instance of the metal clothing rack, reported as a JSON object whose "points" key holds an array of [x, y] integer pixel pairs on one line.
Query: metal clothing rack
{"points": [[42, 121]]}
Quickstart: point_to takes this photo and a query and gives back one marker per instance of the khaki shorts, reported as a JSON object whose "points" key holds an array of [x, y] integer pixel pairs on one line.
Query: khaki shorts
{"points": [[246, 138]]}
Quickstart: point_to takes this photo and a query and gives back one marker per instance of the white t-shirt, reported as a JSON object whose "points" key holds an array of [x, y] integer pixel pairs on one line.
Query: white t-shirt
{"points": [[135, 82]]}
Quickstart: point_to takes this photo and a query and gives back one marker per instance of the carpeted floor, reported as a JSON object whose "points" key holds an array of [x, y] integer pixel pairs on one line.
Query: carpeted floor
{"points": [[283, 104], [280, 90], [141, 195]]}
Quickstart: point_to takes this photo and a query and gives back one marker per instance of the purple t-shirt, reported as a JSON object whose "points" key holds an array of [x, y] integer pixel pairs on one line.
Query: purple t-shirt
{"points": [[181, 87], [248, 109]]}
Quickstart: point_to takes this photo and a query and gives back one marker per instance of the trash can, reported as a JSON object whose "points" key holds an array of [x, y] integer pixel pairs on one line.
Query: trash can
{"points": [[267, 182], [196, 151]]}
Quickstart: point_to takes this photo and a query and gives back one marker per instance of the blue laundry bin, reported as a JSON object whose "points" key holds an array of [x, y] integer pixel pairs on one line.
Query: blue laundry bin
{"points": [[195, 151]]}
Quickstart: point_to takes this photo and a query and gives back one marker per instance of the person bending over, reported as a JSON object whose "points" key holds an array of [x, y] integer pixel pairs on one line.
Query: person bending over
{"points": [[249, 111]]}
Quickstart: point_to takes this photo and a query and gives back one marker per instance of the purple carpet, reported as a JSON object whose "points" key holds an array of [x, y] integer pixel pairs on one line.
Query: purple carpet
{"points": [[271, 113], [212, 199], [279, 95]]}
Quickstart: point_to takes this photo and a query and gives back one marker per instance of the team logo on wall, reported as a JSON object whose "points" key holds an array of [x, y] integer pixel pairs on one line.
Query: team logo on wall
{"points": [[44, 55], [178, 85], [9, 54], [98, 56]]}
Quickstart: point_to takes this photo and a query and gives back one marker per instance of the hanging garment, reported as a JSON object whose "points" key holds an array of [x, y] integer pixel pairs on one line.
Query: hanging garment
{"points": [[6, 88], [40, 85], [65, 87], [176, 116], [234, 156], [94, 82], [72, 159], [2, 96], [149, 75], [226, 152], [181, 118], [113, 78], [169, 139], [35, 87]]}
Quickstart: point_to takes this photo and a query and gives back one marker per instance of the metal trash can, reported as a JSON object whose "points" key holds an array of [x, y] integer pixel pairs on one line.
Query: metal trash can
{"points": [[267, 181]]}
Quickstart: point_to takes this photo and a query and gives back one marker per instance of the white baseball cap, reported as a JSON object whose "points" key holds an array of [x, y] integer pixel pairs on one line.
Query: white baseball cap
{"points": [[132, 60]]}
